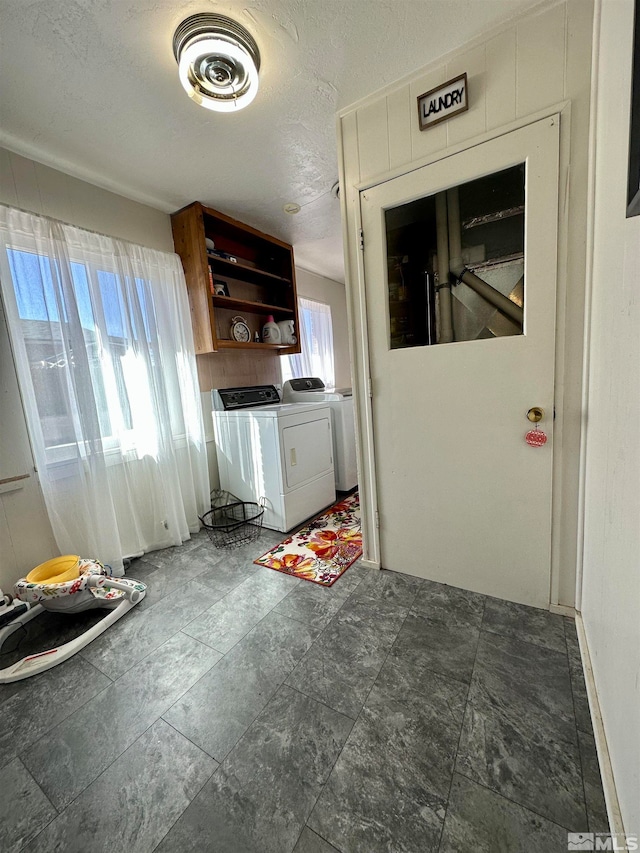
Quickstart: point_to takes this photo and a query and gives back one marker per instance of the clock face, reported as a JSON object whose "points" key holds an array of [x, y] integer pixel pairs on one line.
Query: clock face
{"points": [[240, 331]]}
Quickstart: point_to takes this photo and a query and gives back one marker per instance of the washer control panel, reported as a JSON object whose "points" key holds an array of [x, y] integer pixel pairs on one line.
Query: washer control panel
{"points": [[312, 383], [227, 399]]}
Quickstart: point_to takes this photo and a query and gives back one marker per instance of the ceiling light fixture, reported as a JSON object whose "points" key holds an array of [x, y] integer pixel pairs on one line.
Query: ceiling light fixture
{"points": [[218, 62]]}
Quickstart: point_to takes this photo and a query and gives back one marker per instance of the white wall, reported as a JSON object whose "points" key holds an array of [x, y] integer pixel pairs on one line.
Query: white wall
{"points": [[40, 189], [25, 533], [332, 293], [611, 564], [516, 72]]}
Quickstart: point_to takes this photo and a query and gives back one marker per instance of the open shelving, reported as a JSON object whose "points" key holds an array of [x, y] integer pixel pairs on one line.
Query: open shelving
{"points": [[237, 269], [259, 275], [248, 305]]}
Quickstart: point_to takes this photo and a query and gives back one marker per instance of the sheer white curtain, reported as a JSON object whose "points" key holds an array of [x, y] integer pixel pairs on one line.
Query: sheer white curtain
{"points": [[102, 338], [316, 342]]}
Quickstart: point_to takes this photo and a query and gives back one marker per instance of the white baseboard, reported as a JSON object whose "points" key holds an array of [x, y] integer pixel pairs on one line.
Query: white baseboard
{"points": [[369, 564], [608, 782], [563, 610]]}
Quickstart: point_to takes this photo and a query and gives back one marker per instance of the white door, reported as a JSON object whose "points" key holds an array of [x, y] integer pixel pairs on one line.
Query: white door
{"points": [[463, 499]]}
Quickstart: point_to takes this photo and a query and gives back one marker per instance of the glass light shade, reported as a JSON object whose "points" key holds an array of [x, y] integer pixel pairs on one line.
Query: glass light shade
{"points": [[224, 49]]}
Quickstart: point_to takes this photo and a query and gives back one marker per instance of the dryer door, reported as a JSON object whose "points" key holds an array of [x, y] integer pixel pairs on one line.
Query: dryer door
{"points": [[308, 451]]}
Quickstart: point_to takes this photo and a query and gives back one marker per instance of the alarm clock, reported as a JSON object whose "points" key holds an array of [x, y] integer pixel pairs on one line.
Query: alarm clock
{"points": [[240, 331]]}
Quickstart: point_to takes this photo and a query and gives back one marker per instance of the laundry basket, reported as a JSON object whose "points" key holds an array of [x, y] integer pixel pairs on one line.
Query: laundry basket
{"points": [[231, 522]]}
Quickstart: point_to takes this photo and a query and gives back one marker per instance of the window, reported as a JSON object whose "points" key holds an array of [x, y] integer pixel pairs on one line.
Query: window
{"points": [[316, 341], [111, 320], [103, 347]]}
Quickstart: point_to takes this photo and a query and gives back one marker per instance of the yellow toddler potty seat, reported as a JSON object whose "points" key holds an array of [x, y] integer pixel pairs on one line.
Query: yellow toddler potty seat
{"points": [[57, 570], [69, 585], [62, 583]]}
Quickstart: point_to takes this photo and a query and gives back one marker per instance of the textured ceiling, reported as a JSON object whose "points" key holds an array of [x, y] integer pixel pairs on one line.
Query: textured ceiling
{"points": [[91, 87]]}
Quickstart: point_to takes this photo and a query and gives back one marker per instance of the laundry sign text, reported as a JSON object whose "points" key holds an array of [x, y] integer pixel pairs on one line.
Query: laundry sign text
{"points": [[443, 102]]}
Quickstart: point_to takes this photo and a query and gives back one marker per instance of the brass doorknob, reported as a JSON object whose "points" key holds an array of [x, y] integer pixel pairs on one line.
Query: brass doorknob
{"points": [[535, 414]]}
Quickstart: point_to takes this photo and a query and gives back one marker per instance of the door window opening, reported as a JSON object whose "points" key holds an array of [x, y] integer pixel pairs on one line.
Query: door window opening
{"points": [[455, 263]]}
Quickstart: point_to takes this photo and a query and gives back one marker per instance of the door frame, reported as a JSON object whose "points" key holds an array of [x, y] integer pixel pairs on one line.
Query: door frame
{"points": [[359, 336]]}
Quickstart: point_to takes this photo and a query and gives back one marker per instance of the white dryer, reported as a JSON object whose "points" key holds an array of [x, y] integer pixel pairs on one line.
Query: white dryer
{"points": [[340, 401], [280, 452]]}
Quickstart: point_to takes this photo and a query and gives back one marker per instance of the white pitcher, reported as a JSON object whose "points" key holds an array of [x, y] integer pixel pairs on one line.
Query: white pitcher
{"points": [[287, 332]]}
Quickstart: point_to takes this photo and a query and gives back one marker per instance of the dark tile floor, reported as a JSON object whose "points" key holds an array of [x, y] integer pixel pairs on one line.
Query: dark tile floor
{"points": [[238, 710]]}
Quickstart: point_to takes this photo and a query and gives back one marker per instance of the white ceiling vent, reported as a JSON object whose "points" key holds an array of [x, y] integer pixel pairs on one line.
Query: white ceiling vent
{"points": [[218, 62]]}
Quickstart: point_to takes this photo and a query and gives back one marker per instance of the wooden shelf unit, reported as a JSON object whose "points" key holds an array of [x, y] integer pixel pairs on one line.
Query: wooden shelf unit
{"points": [[260, 282]]}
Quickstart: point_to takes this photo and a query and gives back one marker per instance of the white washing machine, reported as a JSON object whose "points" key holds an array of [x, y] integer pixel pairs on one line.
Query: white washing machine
{"points": [[280, 452], [340, 401]]}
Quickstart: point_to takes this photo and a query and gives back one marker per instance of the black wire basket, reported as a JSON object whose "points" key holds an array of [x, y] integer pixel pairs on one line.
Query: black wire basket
{"points": [[231, 522]]}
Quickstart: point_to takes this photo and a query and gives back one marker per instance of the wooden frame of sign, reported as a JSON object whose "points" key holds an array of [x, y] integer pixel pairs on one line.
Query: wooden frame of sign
{"points": [[459, 94]]}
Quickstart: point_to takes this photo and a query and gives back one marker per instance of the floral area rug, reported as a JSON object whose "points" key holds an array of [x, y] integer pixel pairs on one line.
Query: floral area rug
{"points": [[324, 548]]}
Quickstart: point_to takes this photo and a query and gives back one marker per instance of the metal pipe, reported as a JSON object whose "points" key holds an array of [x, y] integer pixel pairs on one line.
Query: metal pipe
{"points": [[444, 285], [458, 269], [455, 237], [497, 299]]}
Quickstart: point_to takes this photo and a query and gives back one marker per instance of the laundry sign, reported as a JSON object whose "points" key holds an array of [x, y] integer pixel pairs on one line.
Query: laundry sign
{"points": [[443, 102]]}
